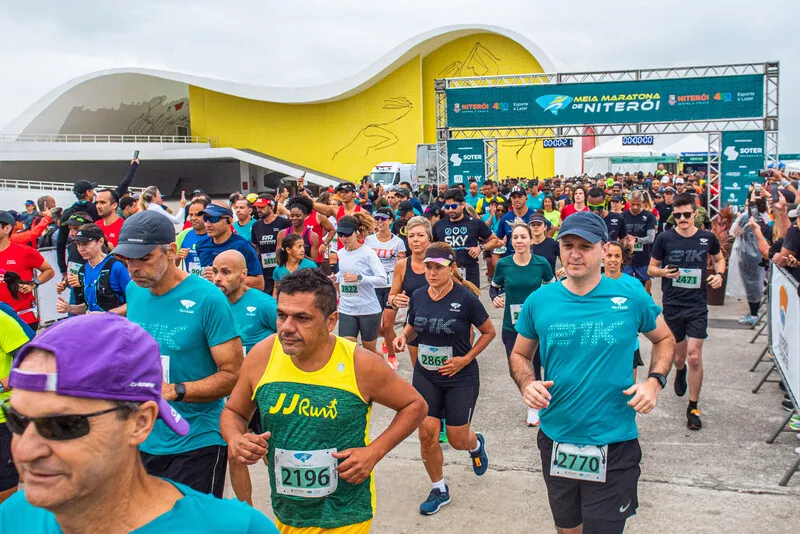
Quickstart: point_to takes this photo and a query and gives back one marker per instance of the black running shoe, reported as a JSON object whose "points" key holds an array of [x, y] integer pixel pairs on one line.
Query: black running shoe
{"points": [[693, 421], [680, 381], [787, 405]]}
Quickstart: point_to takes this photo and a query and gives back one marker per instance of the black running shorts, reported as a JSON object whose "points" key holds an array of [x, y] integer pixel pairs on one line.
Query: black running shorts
{"points": [[202, 469], [687, 322], [455, 402], [9, 477], [575, 502]]}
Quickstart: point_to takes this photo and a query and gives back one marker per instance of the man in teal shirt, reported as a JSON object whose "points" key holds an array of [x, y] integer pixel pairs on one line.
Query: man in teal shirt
{"points": [[535, 200], [256, 315], [473, 196], [588, 404], [201, 352]]}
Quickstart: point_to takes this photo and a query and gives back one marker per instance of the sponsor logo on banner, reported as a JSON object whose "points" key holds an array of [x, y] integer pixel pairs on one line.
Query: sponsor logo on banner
{"points": [[554, 103], [455, 159]]}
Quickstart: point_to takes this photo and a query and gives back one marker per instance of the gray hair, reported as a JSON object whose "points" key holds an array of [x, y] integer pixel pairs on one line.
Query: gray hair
{"points": [[637, 196], [419, 220]]}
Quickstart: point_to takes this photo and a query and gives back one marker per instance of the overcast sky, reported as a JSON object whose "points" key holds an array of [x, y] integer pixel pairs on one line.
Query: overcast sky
{"points": [[310, 42]]}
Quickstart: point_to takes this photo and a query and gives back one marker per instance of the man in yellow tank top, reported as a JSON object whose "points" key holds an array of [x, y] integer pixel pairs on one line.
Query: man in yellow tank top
{"points": [[315, 392]]}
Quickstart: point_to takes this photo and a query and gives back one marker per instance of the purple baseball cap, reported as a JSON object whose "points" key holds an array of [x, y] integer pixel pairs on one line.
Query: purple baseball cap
{"points": [[100, 356]]}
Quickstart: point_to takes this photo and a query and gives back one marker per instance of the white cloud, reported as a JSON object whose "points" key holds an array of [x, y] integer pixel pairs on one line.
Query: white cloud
{"points": [[312, 42]]}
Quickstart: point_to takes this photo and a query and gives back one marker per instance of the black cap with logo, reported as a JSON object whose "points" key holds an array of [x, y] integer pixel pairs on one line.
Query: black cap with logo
{"points": [[142, 232]]}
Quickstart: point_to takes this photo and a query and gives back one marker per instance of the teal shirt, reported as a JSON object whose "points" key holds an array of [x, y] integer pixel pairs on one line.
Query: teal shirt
{"points": [[256, 314], [281, 270], [586, 352], [519, 282], [636, 285], [186, 322], [194, 513], [473, 201], [535, 203], [245, 231]]}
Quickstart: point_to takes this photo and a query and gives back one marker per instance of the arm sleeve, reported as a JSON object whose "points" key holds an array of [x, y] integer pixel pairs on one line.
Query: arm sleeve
{"points": [[649, 238], [498, 281], [123, 186]]}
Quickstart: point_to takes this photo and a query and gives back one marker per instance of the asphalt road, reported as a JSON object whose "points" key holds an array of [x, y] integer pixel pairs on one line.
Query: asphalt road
{"points": [[723, 478]]}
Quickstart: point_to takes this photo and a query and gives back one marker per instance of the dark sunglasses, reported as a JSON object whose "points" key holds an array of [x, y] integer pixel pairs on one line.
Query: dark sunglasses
{"points": [[381, 218], [55, 427], [683, 215], [451, 206], [213, 219], [340, 234]]}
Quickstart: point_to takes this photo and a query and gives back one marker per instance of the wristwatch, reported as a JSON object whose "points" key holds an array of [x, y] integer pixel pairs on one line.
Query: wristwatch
{"points": [[359, 277], [180, 391], [662, 380]]}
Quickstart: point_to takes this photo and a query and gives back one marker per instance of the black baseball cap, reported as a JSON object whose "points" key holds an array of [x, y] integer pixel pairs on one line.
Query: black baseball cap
{"points": [[346, 186], [383, 212], [82, 186], [6, 218], [586, 225], [79, 218], [432, 211], [615, 198], [404, 207], [346, 227], [538, 217], [142, 232], [518, 190], [85, 235]]}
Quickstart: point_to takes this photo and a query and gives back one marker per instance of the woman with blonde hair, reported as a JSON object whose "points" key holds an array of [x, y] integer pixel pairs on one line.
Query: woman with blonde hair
{"points": [[150, 199], [446, 374]]}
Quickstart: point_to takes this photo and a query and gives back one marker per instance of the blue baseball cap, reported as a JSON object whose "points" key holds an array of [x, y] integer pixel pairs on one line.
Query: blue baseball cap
{"points": [[217, 211], [586, 225]]}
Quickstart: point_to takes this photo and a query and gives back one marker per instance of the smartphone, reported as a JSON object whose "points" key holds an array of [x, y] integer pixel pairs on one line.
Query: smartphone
{"points": [[766, 173], [757, 188], [135, 154], [775, 196], [671, 268], [753, 211]]}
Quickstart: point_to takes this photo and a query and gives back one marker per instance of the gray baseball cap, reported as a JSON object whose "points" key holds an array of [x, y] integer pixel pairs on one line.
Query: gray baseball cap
{"points": [[142, 232], [7, 218], [586, 225]]}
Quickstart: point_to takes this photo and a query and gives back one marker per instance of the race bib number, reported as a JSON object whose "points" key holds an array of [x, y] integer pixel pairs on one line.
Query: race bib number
{"points": [[308, 474], [269, 260], [500, 250], [581, 462], [165, 368], [638, 247], [688, 278], [515, 310], [351, 290], [433, 358], [194, 268], [73, 268]]}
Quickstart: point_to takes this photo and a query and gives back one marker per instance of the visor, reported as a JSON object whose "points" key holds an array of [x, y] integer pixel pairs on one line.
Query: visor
{"points": [[438, 255]]}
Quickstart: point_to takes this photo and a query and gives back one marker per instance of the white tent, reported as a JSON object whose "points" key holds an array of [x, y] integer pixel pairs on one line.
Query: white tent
{"points": [[598, 159]]}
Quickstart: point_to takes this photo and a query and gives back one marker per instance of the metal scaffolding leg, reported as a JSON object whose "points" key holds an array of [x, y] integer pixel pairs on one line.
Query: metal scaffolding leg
{"points": [[760, 329], [760, 359], [795, 467], [764, 379]]}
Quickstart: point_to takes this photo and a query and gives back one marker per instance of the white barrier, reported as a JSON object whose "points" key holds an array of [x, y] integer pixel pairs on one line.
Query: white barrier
{"points": [[46, 293]]}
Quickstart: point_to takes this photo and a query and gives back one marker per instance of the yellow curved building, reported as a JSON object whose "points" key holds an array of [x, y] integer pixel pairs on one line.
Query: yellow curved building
{"points": [[340, 130]]}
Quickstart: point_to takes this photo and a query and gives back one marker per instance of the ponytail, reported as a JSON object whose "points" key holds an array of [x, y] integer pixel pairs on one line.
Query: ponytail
{"points": [[288, 242], [146, 197]]}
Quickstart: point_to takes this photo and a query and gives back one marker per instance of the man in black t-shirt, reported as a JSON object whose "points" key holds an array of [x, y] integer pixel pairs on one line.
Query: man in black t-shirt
{"points": [[683, 251], [614, 222], [664, 208], [464, 234], [641, 228], [264, 236]]}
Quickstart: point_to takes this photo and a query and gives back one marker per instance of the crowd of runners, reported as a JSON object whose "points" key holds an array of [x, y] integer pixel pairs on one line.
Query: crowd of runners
{"points": [[221, 333]]}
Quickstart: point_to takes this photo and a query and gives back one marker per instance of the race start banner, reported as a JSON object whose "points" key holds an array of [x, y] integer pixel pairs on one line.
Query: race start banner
{"points": [[680, 99], [742, 158], [465, 162]]}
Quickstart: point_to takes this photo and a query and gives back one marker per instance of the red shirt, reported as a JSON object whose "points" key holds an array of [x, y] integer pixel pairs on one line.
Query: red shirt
{"points": [[112, 230], [313, 225], [21, 260], [569, 209]]}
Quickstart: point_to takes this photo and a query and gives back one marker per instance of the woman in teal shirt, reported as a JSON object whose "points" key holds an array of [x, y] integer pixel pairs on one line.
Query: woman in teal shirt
{"points": [[291, 257]]}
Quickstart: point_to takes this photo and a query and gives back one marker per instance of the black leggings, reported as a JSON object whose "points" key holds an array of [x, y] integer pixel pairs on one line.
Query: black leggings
{"points": [[754, 306], [509, 337]]}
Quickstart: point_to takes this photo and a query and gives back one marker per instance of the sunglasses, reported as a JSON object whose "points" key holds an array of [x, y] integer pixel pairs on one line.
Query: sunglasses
{"points": [[596, 207], [381, 218], [451, 206], [683, 215], [340, 234], [213, 219], [55, 427]]}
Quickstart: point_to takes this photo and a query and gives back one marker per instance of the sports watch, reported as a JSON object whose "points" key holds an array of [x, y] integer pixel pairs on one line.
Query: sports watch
{"points": [[359, 277], [180, 391], [662, 380]]}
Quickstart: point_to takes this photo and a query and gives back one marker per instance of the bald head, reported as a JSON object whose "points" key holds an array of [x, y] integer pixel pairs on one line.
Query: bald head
{"points": [[230, 273]]}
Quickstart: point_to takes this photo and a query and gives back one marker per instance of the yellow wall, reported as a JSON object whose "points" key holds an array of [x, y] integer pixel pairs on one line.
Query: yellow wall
{"points": [[348, 137]]}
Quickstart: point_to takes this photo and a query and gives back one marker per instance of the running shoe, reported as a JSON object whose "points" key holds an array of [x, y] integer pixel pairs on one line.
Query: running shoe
{"points": [[436, 499], [794, 423], [480, 461], [443, 431], [787, 405], [749, 320], [693, 421], [680, 381], [393, 363]]}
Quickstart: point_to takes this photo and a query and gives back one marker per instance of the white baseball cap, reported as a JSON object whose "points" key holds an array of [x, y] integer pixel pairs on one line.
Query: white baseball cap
{"points": [[678, 180], [664, 180]]}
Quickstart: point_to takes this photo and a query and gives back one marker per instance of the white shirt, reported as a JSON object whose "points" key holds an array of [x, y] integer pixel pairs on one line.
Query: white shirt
{"points": [[176, 218], [358, 298], [387, 252]]}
